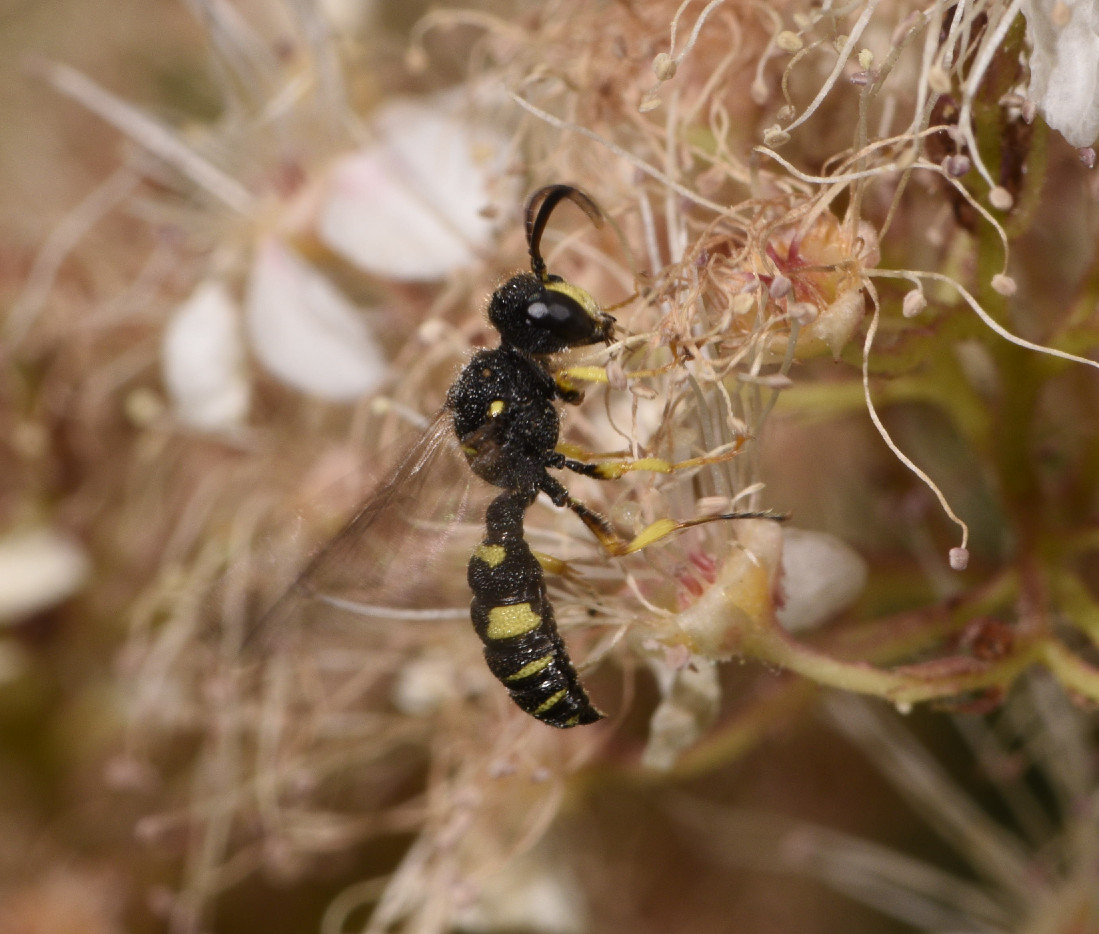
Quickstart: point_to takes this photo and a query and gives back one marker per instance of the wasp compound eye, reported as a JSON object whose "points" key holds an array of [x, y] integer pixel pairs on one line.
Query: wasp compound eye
{"points": [[565, 318], [538, 317]]}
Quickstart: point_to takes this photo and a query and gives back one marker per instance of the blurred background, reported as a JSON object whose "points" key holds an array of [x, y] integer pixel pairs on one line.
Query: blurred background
{"points": [[244, 249]]}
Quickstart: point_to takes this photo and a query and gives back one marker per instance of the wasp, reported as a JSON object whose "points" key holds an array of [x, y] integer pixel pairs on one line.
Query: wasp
{"points": [[503, 409]]}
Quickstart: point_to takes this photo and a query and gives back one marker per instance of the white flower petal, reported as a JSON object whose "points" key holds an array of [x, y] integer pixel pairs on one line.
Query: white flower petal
{"points": [[1064, 65], [690, 699], [425, 685], [835, 326], [38, 569], [821, 576], [348, 16], [412, 205], [533, 891], [203, 359], [305, 331]]}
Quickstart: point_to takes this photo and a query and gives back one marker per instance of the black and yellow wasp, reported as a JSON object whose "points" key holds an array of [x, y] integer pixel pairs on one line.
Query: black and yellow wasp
{"points": [[502, 409]]}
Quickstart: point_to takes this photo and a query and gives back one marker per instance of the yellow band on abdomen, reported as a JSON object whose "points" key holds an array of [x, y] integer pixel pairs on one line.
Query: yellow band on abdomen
{"points": [[531, 668], [549, 702], [506, 622]]}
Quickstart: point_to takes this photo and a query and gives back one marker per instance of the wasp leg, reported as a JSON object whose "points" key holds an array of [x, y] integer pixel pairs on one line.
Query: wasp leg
{"points": [[551, 565], [614, 544], [598, 374], [567, 378], [567, 390], [662, 528], [581, 461]]}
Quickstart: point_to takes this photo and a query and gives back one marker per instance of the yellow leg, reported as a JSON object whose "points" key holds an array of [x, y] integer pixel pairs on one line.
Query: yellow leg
{"points": [[580, 461], [552, 565], [597, 374], [616, 546], [606, 467]]}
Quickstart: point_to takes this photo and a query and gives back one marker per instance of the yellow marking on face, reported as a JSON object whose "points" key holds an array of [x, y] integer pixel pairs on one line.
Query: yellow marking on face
{"points": [[492, 555], [572, 721], [531, 668], [506, 622], [549, 702], [578, 295], [496, 408]]}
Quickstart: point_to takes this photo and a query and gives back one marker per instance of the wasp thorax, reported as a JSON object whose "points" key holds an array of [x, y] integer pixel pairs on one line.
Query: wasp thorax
{"points": [[544, 316]]}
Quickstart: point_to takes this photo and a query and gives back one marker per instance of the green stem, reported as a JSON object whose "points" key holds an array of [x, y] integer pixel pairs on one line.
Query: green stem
{"points": [[1070, 670]]}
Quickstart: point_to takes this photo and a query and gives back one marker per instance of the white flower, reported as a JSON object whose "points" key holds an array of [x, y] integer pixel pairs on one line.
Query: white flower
{"points": [[1064, 65], [305, 331], [690, 700], [203, 357], [299, 326], [416, 204], [38, 569], [413, 205], [821, 576], [533, 891]]}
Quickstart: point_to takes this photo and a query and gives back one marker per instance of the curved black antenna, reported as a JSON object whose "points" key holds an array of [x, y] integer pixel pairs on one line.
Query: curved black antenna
{"points": [[540, 207]]}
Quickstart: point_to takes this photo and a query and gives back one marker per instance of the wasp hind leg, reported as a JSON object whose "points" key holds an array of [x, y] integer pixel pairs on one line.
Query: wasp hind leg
{"points": [[613, 466], [616, 545]]}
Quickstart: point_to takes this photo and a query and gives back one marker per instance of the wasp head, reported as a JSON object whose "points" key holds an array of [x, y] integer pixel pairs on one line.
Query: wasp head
{"points": [[539, 313], [544, 316]]}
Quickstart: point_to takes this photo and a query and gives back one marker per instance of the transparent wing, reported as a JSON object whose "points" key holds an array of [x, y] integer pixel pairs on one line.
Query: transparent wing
{"points": [[402, 556]]}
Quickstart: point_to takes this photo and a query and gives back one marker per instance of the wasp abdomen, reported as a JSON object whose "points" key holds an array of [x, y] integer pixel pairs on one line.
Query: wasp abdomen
{"points": [[514, 618]]}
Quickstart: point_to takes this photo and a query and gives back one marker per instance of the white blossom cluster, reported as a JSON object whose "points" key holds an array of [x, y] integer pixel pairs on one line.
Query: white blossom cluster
{"points": [[1064, 65]]}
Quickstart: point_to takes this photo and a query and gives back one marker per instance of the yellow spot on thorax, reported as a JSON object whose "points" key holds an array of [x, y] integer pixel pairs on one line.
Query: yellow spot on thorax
{"points": [[496, 408], [492, 555], [506, 622]]}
